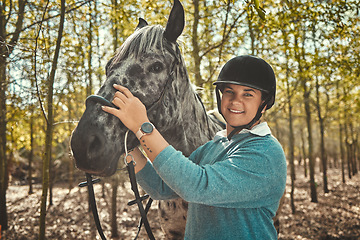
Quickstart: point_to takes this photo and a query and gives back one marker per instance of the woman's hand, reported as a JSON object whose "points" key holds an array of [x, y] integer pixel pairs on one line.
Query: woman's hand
{"points": [[132, 112]]}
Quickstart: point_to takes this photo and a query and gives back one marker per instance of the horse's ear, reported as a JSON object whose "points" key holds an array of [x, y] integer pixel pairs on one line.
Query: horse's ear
{"points": [[142, 23], [176, 22]]}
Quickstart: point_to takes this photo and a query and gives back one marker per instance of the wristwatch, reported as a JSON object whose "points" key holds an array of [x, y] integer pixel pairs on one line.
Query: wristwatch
{"points": [[145, 129]]}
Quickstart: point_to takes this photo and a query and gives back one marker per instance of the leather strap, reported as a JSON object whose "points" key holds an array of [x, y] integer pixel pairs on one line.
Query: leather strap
{"points": [[138, 200], [143, 212], [93, 205]]}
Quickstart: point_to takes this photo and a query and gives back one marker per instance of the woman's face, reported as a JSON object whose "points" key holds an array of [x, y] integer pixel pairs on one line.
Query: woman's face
{"points": [[239, 105]]}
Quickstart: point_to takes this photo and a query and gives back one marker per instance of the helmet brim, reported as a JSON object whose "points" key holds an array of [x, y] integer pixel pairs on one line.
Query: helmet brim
{"points": [[221, 82]]}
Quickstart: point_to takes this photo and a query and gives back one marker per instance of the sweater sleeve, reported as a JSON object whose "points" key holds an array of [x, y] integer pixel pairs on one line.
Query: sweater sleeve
{"points": [[251, 176], [151, 182]]}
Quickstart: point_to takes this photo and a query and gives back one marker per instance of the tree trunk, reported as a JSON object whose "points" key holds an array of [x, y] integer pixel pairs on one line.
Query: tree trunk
{"points": [[322, 141], [303, 152], [6, 48], [342, 153], [196, 48], [311, 157], [49, 126], [70, 128], [341, 137], [353, 149], [348, 143], [349, 167], [357, 154], [115, 179], [306, 95], [31, 151], [251, 34], [51, 176], [291, 128], [89, 53], [356, 159], [3, 159]]}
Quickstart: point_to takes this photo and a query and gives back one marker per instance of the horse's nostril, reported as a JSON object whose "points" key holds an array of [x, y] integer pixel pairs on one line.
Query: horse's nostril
{"points": [[94, 147]]}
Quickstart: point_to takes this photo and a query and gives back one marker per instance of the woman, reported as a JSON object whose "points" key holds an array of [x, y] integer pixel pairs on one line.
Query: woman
{"points": [[233, 183]]}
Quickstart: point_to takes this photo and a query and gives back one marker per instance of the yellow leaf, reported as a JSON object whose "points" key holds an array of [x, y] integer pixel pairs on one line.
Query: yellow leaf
{"points": [[261, 13]]}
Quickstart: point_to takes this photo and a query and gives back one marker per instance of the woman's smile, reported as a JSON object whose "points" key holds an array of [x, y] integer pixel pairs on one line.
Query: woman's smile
{"points": [[236, 111]]}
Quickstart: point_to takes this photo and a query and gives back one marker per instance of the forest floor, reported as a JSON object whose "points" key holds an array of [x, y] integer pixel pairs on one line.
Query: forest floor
{"points": [[335, 216]]}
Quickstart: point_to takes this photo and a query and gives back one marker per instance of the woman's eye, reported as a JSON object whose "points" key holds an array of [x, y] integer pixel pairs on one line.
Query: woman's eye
{"points": [[155, 67]]}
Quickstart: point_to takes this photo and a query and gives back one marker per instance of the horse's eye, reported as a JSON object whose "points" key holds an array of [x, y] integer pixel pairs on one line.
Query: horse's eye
{"points": [[156, 67]]}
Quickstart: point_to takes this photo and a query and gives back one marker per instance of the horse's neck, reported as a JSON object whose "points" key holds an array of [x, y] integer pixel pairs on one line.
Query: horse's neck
{"points": [[193, 127]]}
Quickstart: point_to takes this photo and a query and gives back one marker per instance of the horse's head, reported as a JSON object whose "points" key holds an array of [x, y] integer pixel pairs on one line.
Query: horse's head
{"points": [[147, 63]]}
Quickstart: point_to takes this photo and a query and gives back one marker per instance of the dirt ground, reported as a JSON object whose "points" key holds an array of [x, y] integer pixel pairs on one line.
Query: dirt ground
{"points": [[335, 216]]}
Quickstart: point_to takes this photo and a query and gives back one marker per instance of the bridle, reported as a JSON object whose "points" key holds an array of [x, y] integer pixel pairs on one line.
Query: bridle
{"points": [[129, 166]]}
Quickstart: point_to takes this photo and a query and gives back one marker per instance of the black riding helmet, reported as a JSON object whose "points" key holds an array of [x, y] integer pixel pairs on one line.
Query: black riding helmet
{"points": [[250, 71]]}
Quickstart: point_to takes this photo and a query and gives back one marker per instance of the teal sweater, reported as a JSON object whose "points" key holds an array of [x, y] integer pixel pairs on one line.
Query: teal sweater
{"points": [[233, 187]]}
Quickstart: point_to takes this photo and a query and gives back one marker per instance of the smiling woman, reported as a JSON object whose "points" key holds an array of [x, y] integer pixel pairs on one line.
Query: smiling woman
{"points": [[254, 73], [239, 105]]}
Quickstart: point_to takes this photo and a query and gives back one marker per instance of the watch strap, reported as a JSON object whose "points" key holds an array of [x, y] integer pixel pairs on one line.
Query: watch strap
{"points": [[139, 134]]}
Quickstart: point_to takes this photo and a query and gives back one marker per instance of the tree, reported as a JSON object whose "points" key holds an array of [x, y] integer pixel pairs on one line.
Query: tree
{"points": [[318, 106], [6, 48], [49, 125], [300, 57], [115, 180], [289, 94], [31, 156]]}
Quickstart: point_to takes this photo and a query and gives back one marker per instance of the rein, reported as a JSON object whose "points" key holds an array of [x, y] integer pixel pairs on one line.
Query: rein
{"points": [[138, 199]]}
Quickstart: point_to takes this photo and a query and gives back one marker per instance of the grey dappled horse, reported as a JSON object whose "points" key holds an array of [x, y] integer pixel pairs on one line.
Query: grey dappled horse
{"points": [[149, 63]]}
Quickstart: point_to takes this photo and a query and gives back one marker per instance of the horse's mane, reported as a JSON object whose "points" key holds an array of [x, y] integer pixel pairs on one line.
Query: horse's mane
{"points": [[141, 41]]}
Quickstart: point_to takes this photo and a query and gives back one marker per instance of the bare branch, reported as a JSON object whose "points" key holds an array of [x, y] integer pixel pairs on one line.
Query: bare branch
{"points": [[35, 53]]}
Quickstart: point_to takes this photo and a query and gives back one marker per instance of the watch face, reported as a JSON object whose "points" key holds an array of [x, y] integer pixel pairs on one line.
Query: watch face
{"points": [[147, 127]]}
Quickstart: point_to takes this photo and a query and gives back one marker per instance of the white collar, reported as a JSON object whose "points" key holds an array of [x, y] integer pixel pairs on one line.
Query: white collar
{"points": [[261, 129]]}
